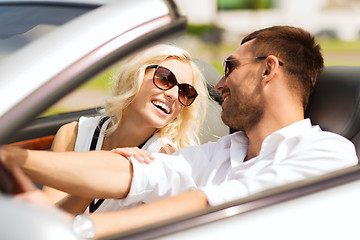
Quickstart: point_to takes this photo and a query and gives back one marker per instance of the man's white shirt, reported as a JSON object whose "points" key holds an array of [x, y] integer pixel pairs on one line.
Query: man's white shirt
{"points": [[290, 154]]}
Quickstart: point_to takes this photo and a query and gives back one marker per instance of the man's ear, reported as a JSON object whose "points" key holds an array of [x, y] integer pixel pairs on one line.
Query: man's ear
{"points": [[271, 67]]}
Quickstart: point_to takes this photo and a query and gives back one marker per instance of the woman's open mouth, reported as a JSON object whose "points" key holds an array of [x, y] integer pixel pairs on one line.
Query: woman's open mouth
{"points": [[162, 106]]}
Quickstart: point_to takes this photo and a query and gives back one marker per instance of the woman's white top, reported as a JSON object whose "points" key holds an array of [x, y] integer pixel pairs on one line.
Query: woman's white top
{"points": [[86, 129]]}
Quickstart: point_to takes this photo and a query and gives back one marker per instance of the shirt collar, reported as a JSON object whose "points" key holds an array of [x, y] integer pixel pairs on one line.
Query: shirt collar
{"points": [[271, 142], [294, 129]]}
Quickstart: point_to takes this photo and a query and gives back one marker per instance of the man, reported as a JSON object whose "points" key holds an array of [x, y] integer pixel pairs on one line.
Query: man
{"points": [[266, 86]]}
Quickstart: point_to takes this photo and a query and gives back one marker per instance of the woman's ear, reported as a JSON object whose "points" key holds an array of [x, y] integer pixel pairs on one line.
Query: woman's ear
{"points": [[271, 67]]}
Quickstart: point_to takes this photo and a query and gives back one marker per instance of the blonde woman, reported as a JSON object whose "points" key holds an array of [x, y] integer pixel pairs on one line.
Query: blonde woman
{"points": [[153, 108]]}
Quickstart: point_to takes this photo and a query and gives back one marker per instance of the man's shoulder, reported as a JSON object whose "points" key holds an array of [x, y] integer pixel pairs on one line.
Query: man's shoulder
{"points": [[320, 135], [304, 131], [325, 143]]}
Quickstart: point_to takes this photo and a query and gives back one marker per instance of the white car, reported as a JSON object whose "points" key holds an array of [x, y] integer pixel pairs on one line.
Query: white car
{"points": [[49, 48]]}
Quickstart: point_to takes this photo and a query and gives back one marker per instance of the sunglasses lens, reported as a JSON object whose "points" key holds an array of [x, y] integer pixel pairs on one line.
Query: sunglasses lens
{"points": [[164, 79], [228, 67], [225, 68], [187, 94]]}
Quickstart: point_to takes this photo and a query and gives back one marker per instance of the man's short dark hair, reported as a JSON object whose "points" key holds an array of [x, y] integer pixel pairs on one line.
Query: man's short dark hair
{"points": [[297, 49]]}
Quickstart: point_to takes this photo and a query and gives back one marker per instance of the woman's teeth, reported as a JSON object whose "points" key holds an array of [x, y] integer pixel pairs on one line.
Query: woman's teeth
{"points": [[162, 106]]}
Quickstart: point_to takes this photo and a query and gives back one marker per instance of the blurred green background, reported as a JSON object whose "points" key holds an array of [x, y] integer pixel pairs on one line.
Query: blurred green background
{"points": [[204, 42], [336, 52]]}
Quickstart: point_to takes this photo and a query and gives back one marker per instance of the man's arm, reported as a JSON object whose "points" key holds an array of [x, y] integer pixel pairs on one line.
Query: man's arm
{"points": [[114, 222], [95, 174]]}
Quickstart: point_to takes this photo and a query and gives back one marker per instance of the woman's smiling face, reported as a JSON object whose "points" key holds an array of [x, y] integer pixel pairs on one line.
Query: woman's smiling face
{"points": [[156, 107]]}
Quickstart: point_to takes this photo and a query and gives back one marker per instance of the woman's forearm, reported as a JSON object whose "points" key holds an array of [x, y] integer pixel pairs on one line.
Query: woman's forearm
{"points": [[110, 223], [73, 204], [95, 174]]}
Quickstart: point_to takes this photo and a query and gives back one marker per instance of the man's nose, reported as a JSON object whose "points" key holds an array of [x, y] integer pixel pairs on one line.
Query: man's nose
{"points": [[220, 84]]}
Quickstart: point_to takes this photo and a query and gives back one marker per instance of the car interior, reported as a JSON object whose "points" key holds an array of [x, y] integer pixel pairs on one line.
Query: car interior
{"points": [[334, 105]]}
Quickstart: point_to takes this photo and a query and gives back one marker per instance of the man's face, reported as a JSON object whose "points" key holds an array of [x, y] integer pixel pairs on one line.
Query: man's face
{"points": [[243, 104]]}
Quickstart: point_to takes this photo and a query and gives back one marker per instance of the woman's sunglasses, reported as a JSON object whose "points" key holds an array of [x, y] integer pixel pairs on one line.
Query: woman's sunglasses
{"points": [[164, 79]]}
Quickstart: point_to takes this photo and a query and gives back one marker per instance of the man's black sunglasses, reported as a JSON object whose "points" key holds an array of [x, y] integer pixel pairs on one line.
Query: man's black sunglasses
{"points": [[228, 67]]}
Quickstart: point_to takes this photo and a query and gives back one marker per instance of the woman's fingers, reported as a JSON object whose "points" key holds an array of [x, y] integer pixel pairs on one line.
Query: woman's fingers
{"points": [[138, 154]]}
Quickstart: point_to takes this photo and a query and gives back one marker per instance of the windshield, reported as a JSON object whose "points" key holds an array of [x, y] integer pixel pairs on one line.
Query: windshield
{"points": [[22, 24]]}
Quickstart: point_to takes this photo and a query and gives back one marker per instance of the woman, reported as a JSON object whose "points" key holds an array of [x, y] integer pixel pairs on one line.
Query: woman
{"points": [[153, 108]]}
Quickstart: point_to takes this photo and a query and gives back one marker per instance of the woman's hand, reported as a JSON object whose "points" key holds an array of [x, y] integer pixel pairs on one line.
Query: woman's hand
{"points": [[139, 154]]}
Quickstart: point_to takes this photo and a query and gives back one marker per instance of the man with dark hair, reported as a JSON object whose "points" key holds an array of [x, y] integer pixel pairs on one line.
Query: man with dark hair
{"points": [[266, 86], [297, 48]]}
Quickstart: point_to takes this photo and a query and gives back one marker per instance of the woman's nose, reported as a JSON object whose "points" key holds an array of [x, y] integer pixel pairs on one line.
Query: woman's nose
{"points": [[172, 93]]}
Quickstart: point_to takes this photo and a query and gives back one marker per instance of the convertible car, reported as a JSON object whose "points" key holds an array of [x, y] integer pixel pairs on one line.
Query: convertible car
{"points": [[49, 48]]}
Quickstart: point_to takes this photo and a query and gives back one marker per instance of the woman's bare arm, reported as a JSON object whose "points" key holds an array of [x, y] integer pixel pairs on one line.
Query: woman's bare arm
{"points": [[73, 204], [118, 221]]}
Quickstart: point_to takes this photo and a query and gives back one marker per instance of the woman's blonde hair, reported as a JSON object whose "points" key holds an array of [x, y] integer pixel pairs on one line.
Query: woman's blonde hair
{"points": [[185, 128]]}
